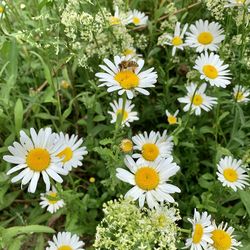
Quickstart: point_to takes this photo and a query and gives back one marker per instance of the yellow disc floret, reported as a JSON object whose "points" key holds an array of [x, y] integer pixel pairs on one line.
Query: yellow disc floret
{"points": [[65, 247], [125, 114], [197, 100], [136, 20], [150, 151], [126, 145], [114, 20], [38, 159], [127, 79], [222, 240], [198, 233], [210, 71], [172, 119], [66, 154], [230, 174], [239, 96], [205, 38], [52, 198], [176, 41], [147, 178]]}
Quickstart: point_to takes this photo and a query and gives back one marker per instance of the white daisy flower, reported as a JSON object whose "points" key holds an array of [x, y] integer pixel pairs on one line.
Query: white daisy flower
{"points": [[149, 180], [223, 238], [138, 18], [2, 9], [36, 156], [172, 118], [72, 153], [119, 19], [197, 99], [128, 114], [124, 75], [212, 70], [65, 241], [51, 201], [175, 40], [201, 235], [240, 94], [237, 3], [152, 146], [232, 174], [205, 36]]}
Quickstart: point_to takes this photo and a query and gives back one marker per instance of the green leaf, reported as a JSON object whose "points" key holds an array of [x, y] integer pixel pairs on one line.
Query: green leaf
{"points": [[8, 199], [18, 114], [16, 244], [245, 198]]}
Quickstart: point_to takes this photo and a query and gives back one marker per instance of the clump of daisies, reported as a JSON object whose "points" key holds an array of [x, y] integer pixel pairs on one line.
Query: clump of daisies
{"points": [[125, 226], [206, 235], [232, 173], [65, 241], [44, 155]]}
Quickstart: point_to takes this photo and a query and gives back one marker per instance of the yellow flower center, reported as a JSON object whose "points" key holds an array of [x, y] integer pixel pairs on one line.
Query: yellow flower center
{"points": [[230, 174], [239, 96], [127, 52], [172, 119], [241, 1], [52, 195], [198, 233], [136, 20], [65, 247], [205, 38], [1, 9], [222, 240], [114, 20], [125, 114], [92, 179], [38, 159], [147, 178], [161, 220], [197, 100], [176, 41], [127, 79], [210, 71], [126, 145], [65, 84], [66, 154], [150, 151]]}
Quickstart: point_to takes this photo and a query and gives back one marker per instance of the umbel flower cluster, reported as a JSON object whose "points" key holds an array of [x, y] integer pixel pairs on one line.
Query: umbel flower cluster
{"points": [[125, 226]]}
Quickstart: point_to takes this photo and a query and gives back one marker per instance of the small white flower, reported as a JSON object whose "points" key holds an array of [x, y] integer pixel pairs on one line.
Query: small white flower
{"points": [[138, 18], [72, 154], [124, 75], [65, 241], [119, 19], [237, 3], [232, 174], [175, 40], [152, 146], [223, 238], [149, 180], [205, 36], [128, 115], [172, 119], [201, 235], [240, 94], [197, 99], [212, 70], [2, 9], [36, 156], [51, 201]]}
